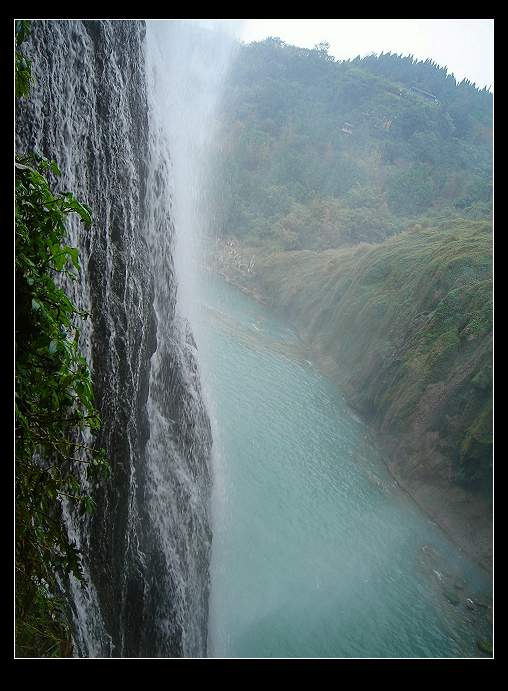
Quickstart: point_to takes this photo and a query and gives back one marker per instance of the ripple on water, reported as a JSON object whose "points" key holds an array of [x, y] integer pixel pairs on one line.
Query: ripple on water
{"points": [[315, 552]]}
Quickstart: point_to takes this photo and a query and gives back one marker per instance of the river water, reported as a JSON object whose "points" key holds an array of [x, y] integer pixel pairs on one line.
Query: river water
{"points": [[316, 551]]}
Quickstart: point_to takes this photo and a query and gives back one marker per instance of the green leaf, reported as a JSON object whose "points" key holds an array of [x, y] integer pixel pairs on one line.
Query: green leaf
{"points": [[87, 505], [59, 260], [53, 347], [22, 31], [82, 209], [72, 252], [54, 168]]}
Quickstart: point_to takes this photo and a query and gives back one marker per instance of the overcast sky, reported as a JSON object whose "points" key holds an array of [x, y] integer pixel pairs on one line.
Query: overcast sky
{"points": [[464, 46]]}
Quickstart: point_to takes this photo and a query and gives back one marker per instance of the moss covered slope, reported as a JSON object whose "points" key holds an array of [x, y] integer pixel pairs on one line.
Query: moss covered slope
{"points": [[407, 325]]}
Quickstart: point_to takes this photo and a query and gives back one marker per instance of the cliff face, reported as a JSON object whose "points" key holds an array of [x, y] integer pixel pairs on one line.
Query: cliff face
{"points": [[146, 549], [404, 329]]}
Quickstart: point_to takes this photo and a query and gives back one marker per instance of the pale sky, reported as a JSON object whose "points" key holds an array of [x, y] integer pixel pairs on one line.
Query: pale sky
{"points": [[464, 46]]}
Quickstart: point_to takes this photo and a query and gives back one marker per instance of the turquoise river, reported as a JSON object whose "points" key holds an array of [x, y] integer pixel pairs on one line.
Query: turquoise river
{"points": [[316, 551]]}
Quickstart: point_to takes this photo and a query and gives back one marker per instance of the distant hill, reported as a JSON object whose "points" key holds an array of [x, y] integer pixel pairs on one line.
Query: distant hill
{"points": [[314, 153]]}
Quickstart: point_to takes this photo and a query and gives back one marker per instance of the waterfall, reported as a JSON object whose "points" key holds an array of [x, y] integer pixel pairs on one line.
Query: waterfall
{"points": [[186, 67], [146, 549]]}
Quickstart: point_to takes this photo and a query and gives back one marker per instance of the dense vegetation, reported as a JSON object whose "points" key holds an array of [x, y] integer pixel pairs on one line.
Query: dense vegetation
{"points": [[408, 327], [356, 197], [54, 407], [314, 153]]}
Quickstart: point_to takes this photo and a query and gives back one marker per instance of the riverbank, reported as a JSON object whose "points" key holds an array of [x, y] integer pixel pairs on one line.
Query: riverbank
{"points": [[462, 516]]}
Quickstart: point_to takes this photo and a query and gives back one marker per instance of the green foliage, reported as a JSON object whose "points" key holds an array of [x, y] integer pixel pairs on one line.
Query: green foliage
{"points": [[23, 65], [54, 403], [285, 140], [411, 191], [43, 631]]}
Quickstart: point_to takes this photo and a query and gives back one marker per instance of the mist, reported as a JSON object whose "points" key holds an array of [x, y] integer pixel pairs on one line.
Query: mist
{"points": [[187, 63]]}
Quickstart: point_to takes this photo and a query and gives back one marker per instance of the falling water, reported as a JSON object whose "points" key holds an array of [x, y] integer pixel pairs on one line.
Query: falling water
{"points": [[95, 109], [187, 64]]}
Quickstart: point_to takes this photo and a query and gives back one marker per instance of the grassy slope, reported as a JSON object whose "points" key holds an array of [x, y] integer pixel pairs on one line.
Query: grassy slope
{"points": [[407, 325]]}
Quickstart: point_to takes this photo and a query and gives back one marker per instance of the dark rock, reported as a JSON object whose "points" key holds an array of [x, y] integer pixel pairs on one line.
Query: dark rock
{"points": [[451, 596], [484, 646]]}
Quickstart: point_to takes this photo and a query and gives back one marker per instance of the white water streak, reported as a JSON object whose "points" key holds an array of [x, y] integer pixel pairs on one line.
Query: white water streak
{"points": [[187, 64]]}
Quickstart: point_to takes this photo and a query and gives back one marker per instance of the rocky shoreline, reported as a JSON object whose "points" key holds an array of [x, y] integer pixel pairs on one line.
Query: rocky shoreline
{"points": [[462, 517]]}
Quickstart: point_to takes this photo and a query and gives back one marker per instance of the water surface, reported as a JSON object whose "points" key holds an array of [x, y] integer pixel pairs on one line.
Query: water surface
{"points": [[316, 552]]}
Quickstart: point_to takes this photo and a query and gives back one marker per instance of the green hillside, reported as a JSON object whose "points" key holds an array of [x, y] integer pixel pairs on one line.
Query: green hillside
{"points": [[314, 153]]}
